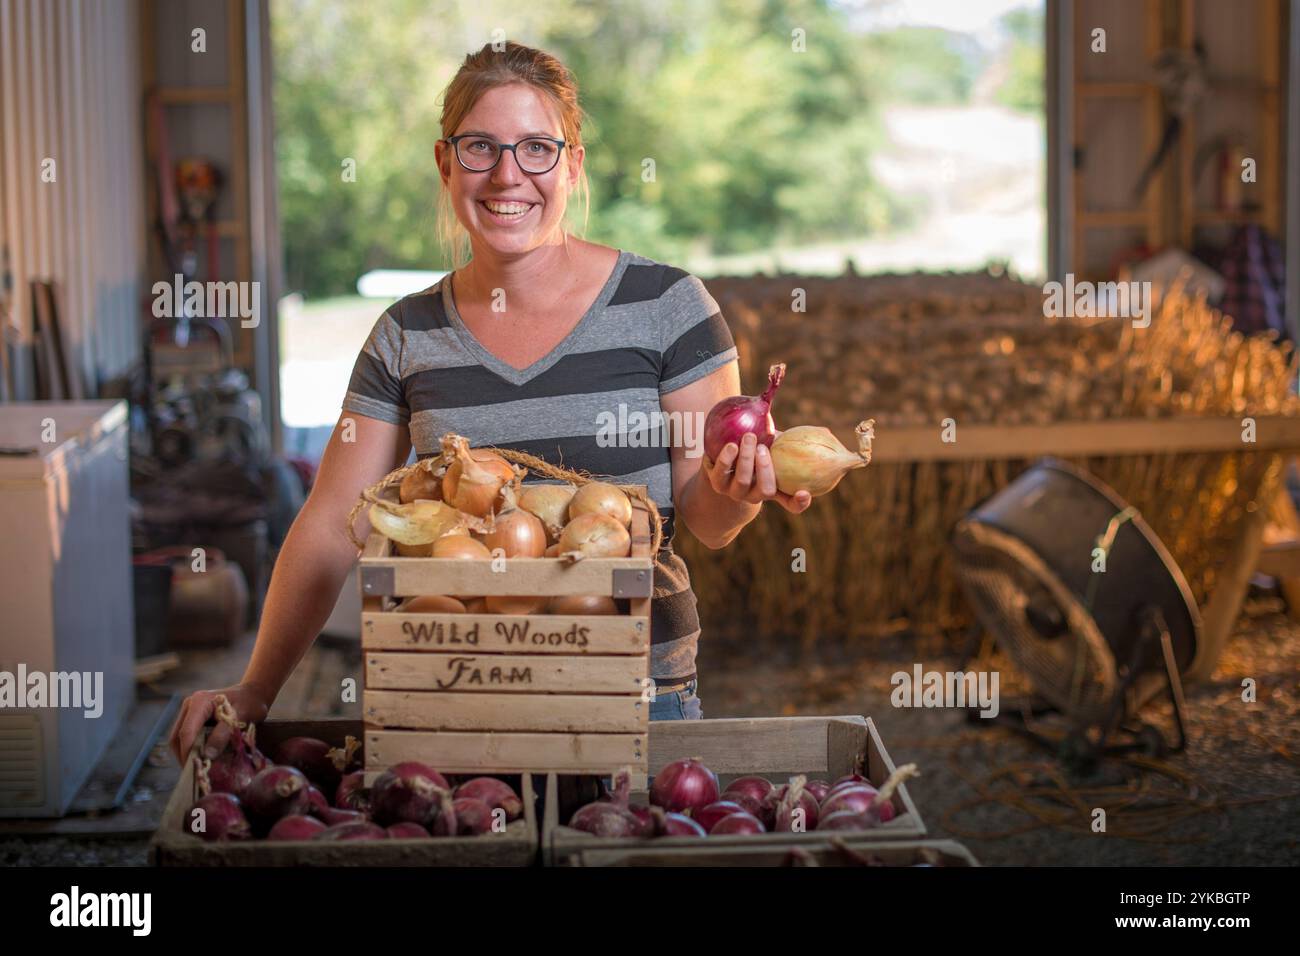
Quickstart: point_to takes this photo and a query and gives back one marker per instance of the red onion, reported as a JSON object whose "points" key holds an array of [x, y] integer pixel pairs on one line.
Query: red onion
{"points": [[223, 818], [611, 817], [407, 831], [645, 821], [789, 799], [407, 791], [274, 793], [442, 818], [312, 757], [684, 785], [850, 779], [675, 824], [473, 816], [738, 824], [819, 789], [353, 794], [732, 418], [317, 805], [362, 830], [843, 820], [234, 768], [296, 827], [333, 816], [715, 811], [497, 794], [857, 799]]}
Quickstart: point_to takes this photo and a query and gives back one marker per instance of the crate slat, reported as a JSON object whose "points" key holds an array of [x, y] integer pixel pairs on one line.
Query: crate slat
{"points": [[449, 710], [535, 576], [473, 673], [506, 633], [893, 853], [502, 752]]}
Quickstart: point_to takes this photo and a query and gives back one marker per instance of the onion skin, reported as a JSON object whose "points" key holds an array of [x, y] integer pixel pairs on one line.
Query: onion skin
{"points": [[421, 484], [317, 805], [751, 793], [461, 547], [854, 798], [474, 478], [600, 497], [353, 831], [476, 605], [738, 415], [473, 816], [646, 824], [738, 824], [709, 815], [517, 533], [788, 799], [514, 603], [432, 604], [497, 794], [334, 816], [676, 824], [276, 792], [352, 793], [407, 791], [684, 785], [549, 504], [605, 819], [232, 771], [296, 827], [412, 550], [416, 523], [819, 789], [580, 604], [810, 458], [223, 818], [596, 536], [844, 820]]}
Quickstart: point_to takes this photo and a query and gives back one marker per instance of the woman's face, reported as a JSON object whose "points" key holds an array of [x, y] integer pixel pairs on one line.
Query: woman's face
{"points": [[509, 114]]}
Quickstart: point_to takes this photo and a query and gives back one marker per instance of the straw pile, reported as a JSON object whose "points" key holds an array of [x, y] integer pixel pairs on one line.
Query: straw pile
{"points": [[915, 349]]}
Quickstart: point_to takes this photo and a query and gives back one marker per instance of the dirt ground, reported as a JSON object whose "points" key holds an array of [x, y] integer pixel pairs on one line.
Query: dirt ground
{"points": [[1233, 798]]}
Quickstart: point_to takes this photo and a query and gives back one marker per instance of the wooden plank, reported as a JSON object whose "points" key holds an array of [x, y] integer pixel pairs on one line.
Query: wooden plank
{"points": [[746, 744], [1281, 558], [563, 713], [1117, 437], [505, 633], [511, 673], [548, 576], [503, 752]]}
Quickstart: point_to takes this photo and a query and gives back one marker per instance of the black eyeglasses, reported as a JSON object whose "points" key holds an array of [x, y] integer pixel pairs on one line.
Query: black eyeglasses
{"points": [[478, 154]]}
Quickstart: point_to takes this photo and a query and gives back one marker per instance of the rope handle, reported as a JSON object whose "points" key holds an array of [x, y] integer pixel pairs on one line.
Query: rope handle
{"points": [[438, 464]]}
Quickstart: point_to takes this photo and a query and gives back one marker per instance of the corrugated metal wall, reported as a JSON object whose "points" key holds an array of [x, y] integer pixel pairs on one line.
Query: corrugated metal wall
{"points": [[70, 92]]}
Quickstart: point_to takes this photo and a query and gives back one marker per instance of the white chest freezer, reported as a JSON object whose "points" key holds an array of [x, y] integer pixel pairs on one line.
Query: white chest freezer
{"points": [[67, 645]]}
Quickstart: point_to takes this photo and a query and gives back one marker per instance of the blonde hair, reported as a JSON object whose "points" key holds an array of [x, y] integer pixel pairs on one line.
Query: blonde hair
{"points": [[486, 70]]}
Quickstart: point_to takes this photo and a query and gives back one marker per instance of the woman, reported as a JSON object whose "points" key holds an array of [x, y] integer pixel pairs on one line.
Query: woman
{"points": [[533, 343]]}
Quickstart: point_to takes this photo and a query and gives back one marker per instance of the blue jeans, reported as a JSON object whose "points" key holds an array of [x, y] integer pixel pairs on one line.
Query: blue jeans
{"points": [[678, 704]]}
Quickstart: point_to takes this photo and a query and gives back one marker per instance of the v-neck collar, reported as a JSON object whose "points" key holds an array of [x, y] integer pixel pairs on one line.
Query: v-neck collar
{"points": [[518, 376]]}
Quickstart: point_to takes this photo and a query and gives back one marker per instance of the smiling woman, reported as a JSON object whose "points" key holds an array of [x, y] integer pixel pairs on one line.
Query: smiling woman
{"points": [[534, 342]]}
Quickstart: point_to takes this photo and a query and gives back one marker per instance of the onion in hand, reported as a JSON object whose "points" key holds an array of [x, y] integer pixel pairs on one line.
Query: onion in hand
{"points": [[733, 418], [811, 458]]}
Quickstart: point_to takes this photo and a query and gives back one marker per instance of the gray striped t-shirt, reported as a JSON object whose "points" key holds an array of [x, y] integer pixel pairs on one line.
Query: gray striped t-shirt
{"points": [[651, 330]]}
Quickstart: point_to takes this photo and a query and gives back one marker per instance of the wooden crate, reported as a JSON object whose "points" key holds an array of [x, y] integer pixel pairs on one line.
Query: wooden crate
{"points": [[172, 845], [890, 853], [772, 747], [505, 693]]}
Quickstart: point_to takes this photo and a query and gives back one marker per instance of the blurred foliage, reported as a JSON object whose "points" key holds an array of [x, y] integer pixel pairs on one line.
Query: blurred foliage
{"points": [[753, 143], [1024, 88]]}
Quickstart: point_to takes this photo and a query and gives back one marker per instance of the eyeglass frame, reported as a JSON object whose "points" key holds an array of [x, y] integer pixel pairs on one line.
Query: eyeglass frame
{"points": [[454, 141]]}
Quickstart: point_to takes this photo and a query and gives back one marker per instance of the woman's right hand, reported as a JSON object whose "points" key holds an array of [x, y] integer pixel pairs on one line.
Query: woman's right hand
{"points": [[200, 707]]}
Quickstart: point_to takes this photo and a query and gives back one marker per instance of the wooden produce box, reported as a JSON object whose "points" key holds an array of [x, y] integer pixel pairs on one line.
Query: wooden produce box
{"points": [[505, 693], [943, 853], [173, 845], [773, 747]]}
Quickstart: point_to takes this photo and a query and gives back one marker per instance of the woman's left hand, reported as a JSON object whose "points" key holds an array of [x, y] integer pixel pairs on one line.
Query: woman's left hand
{"points": [[745, 473]]}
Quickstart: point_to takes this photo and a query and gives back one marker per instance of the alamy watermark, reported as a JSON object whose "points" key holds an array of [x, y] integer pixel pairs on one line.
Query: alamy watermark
{"points": [[632, 428], [77, 909], [1098, 300], [59, 689], [209, 300], [923, 688]]}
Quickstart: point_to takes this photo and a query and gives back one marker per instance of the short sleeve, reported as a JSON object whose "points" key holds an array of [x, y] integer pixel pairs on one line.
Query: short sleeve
{"points": [[695, 336], [375, 389]]}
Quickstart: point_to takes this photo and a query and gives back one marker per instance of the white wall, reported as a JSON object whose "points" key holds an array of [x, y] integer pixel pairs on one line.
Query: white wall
{"points": [[70, 91]]}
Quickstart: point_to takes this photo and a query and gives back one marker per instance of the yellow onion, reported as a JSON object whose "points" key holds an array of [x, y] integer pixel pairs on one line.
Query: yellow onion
{"points": [[474, 478], [810, 458], [600, 497], [460, 546], [419, 522], [432, 604], [515, 531], [411, 550], [422, 483], [595, 536], [553, 551], [475, 605], [582, 604], [550, 503], [515, 603]]}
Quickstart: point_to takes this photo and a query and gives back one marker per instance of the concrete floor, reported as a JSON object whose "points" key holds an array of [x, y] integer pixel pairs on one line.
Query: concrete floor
{"points": [[1233, 799]]}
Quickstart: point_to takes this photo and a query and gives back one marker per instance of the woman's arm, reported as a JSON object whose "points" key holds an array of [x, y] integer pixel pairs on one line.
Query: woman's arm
{"points": [[308, 575], [716, 503]]}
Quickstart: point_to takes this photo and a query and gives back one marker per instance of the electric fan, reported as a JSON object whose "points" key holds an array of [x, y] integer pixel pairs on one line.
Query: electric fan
{"points": [[1086, 601]]}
